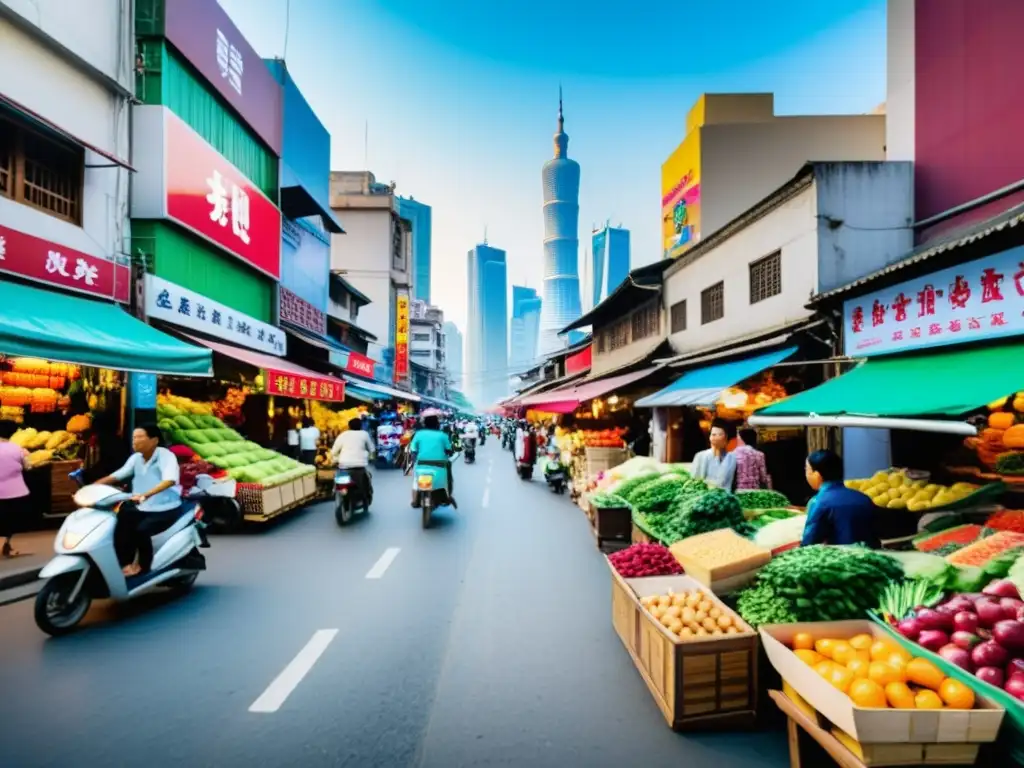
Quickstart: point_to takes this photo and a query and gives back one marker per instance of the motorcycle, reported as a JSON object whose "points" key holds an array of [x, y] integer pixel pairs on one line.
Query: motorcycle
{"points": [[430, 488], [348, 493], [387, 451], [554, 472], [469, 454], [86, 566], [524, 464]]}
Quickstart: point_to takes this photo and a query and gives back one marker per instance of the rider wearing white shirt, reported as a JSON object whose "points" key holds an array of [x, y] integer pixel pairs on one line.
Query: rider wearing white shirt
{"points": [[353, 450], [469, 431]]}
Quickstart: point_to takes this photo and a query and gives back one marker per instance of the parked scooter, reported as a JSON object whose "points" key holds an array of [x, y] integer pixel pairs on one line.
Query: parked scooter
{"points": [[348, 493], [554, 471], [86, 566], [525, 462]]}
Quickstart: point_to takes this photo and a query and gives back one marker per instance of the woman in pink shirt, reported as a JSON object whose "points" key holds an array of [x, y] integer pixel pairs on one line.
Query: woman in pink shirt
{"points": [[13, 491], [751, 469]]}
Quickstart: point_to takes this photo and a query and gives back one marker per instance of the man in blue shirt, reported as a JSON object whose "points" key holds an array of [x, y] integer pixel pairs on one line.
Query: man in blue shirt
{"points": [[836, 514]]}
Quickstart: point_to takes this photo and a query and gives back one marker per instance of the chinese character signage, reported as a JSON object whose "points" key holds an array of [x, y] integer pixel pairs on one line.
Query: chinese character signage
{"points": [[204, 34], [303, 386], [45, 262], [359, 365], [401, 337], [179, 306], [300, 312], [982, 299], [208, 195]]}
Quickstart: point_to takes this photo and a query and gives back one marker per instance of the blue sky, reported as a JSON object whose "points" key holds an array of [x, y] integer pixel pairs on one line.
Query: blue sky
{"points": [[461, 97]]}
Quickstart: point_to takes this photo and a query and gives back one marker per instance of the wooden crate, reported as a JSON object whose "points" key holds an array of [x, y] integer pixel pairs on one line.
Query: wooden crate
{"points": [[62, 487], [287, 491], [697, 684], [602, 459], [308, 485], [259, 503], [611, 524]]}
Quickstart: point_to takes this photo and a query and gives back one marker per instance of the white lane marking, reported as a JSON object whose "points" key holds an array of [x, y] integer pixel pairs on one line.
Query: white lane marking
{"points": [[485, 502], [383, 563], [286, 682]]}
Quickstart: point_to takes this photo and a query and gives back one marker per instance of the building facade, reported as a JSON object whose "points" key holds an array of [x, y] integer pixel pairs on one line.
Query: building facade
{"points": [[375, 254], [453, 354], [561, 296], [419, 216], [427, 352], [524, 329], [609, 260], [736, 151], [486, 371]]}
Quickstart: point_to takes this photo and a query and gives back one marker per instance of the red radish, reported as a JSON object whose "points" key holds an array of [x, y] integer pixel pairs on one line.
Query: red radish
{"points": [[961, 603], [958, 656], [965, 640], [950, 609], [965, 621], [1011, 606], [1015, 686], [934, 620], [909, 628], [1020, 614], [933, 639], [1002, 588], [991, 675], [989, 654], [1009, 634], [1015, 665], [989, 613]]}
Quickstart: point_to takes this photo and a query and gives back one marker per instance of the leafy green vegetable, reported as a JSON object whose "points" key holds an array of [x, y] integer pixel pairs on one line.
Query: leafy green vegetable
{"points": [[656, 496], [1010, 463], [761, 499], [898, 600], [922, 565], [711, 511], [608, 501], [761, 605], [626, 488]]}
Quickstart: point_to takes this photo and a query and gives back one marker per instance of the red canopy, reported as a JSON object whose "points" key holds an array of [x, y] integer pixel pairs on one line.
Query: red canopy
{"points": [[567, 398]]}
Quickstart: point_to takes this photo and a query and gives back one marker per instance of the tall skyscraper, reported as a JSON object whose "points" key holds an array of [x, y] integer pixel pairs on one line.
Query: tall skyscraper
{"points": [[419, 215], [453, 352], [610, 262], [561, 180], [524, 329], [486, 371]]}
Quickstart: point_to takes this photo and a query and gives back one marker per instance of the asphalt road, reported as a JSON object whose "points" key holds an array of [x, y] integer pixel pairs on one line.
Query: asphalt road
{"points": [[486, 640]]}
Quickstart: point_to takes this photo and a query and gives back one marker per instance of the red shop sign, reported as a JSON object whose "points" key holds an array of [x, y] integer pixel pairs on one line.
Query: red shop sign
{"points": [[360, 365], [45, 262], [300, 312], [211, 197], [296, 385], [580, 361]]}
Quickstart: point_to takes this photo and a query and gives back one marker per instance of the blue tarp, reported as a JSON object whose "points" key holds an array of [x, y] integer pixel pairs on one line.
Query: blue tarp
{"points": [[364, 394], [703, 386]]}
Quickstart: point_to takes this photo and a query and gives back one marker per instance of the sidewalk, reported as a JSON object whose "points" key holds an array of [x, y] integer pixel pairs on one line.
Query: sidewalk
{"points": [[36, 548]]}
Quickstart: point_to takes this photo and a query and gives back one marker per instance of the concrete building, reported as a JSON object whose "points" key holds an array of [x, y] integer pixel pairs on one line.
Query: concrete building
{"points": [[418, 215], [453, 354], [375, 253], [524, 329], [736, 151], [609, 261], [561, 185], [66, 82], [486, 371], [343, 315], [427, 350]]}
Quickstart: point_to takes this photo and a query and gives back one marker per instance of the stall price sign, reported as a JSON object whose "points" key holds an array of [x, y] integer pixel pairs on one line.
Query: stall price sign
{"points": [[982, 299], [402, 338], [297, 385], [43, 261], [299, 312]]}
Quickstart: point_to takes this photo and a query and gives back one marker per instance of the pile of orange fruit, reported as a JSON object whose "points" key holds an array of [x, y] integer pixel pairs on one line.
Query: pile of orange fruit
{"points": [[879, 673]]}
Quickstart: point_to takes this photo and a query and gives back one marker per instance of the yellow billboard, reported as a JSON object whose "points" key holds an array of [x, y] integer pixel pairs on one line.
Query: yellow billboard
{"points": [[680, 196]]}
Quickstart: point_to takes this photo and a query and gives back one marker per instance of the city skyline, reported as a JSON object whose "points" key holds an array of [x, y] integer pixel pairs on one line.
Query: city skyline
{"points": [[610, 260], [485, 374], [419, 215], [524, 329]]}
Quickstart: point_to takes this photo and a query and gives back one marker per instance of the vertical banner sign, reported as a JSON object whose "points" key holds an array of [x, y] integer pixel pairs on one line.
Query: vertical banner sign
{"points": [[401, 338]]}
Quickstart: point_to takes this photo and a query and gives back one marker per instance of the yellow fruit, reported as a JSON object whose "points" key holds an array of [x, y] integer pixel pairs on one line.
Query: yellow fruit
{"points": [[881, 650], [883, 673], [825, 647], [899, 696], [896, 504], [859, 667], [956, 695], [927, 700], [840, 678], [824, 668], [810, 658], [881, 500], [867, 693], [842, 653], [922, 672], [861, 642], [803, 640]]}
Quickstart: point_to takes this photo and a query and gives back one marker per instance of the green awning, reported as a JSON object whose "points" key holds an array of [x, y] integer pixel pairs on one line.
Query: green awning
{"points": [[937, 384], [69, 329]]}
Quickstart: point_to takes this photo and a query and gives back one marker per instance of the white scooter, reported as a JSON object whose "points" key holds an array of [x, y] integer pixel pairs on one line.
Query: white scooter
{"points": [[86, 566]]}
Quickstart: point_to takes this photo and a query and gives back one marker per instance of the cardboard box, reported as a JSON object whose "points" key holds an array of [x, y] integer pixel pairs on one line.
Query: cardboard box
{"points": [[309, 485], [612, 523], [287, 493], [684, 550], [700, 683], [874, 726]]}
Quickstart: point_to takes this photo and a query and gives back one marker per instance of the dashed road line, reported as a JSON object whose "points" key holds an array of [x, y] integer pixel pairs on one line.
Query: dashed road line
{"points": [[383, 563], [285, 683]]}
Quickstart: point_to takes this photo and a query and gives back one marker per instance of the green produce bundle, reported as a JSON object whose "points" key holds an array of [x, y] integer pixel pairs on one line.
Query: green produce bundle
{"points": [[607, 501], [826, 583], [1011, 463], [710, 511], [761, 499], [658, 495], [626, 488], [761, 605]]}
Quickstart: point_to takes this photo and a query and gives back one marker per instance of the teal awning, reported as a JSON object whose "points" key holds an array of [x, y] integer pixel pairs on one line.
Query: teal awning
{"points": [[57, 326], [358, 393], [703, 386]]}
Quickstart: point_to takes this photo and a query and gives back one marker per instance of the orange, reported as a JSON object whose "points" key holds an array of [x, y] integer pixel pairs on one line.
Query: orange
{"points": [[842, 653], [956, 695], [825, 647], [810, 658], [824, 668], [927, 700], [861, 642], [859, 667], [922, 672], [898, 656], [883, 674], [899, 696], [867, 693], [802, 641], [881, 650], [840, 678]]}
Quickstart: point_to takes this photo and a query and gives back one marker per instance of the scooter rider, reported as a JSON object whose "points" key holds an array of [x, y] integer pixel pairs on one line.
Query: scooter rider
{"points": [[353, 450], [433, 448], [155, 504], [470, 432]]}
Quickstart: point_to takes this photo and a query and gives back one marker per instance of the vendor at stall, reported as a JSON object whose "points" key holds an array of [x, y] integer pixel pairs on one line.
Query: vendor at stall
{"points": [[716, 465], [836, 514]]}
